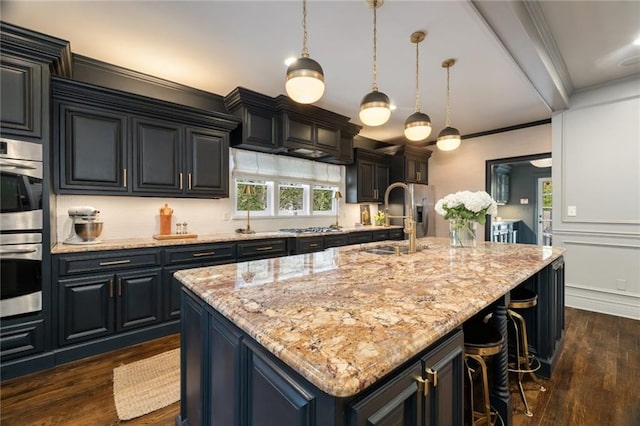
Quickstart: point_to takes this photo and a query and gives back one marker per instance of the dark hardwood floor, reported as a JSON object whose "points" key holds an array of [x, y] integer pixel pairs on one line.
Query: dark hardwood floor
{"points": [[595, 383]]}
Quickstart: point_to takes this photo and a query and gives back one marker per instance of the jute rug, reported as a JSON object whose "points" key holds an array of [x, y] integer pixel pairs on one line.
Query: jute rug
{"points": [[147, 385]]}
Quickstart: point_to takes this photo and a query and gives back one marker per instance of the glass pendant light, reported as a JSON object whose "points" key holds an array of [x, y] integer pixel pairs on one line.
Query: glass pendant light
{"points": [[449, 137], [375, 108], [305, 80], [418, 126]]}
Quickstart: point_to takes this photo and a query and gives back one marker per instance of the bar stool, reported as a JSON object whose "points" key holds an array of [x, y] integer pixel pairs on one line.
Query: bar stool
{"points": [[481, 341], [523, 362]]}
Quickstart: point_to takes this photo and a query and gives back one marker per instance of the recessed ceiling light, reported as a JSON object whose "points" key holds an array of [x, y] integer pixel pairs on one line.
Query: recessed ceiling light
{"points": [[637, 41], [290, 60]]}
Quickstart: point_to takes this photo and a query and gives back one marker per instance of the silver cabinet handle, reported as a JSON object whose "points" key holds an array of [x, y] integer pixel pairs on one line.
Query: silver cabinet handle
{"points": [[17, 251], [189, 178], [264, 248], [180, 180], [124, 177]]}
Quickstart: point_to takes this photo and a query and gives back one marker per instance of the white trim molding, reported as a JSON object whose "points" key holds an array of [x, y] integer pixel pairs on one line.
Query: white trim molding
{"points": [[603, 301]]}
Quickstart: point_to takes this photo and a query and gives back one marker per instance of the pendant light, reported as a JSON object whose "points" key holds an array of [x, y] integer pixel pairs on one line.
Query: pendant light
{"points": [[418, 126], [449, 137], [375, 108], [305, 80]]}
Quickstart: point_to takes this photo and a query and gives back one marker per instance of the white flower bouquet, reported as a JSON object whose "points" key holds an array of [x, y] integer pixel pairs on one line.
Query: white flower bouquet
{"points": [[463, 210], [467, 205]]}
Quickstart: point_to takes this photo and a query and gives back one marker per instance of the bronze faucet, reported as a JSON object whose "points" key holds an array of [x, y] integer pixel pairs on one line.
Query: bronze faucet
{"points": [[409, 221]]}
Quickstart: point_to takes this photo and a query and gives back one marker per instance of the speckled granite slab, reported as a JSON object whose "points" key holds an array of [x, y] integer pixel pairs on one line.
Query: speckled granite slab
{"points": [[344, 317], [132, 243]]}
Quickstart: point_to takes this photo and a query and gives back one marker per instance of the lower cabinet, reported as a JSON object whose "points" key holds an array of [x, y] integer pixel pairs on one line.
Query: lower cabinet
{"points": [[98, 305], [22, 339], [229, 379]]}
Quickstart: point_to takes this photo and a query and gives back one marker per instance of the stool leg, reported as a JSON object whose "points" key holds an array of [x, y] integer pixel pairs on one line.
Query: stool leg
{"points": [[485, 389], [522, 358], [470, 375]]}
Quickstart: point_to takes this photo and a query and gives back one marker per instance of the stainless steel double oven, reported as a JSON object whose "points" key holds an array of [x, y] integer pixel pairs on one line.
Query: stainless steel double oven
{"points": [[21, 215]]}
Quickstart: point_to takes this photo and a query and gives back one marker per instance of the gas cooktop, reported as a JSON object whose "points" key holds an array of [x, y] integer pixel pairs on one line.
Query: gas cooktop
{"points": [[310, 230]]}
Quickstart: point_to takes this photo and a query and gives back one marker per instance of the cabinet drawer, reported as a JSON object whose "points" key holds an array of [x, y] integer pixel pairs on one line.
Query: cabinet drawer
{"points": [[359, 237], [395, 234], [98, 262], [379, 235], [335, 241], [201, 253], [261, 249], [22, 339], [308, 244]]}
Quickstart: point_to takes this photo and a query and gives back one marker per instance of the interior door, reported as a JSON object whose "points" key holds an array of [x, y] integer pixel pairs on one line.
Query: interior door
{"points": [[544, 211]]}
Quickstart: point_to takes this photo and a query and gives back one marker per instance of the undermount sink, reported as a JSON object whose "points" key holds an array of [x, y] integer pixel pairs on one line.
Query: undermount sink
{"points": [[389, 250]]}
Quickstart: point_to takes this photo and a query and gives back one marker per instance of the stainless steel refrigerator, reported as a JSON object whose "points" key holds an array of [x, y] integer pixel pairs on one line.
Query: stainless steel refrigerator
{"points": [[424, 213]]}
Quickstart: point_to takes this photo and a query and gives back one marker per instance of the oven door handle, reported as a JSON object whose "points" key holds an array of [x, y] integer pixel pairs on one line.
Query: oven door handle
{"points": [[4, 163], [17, 251]]}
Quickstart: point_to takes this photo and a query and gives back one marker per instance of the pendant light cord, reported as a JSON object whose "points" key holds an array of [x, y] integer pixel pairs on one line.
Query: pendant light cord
{"points": [[305, 51], [417, 109], [375, 57], [448, 121]]}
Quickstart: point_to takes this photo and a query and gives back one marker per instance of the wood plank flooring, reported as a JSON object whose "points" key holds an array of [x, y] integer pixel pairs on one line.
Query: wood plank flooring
{"points": [[595, 383]]}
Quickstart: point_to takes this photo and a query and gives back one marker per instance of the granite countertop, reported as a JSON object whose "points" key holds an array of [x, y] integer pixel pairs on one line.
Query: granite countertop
{"points": [[132, 243], [344, 317]]}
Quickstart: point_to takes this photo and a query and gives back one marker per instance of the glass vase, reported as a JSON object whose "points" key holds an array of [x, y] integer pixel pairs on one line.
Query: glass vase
{"points": [[463, 232]]}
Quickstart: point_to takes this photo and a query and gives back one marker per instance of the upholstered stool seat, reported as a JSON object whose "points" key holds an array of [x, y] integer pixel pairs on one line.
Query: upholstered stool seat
{"points": [[481, 341], [522, 361]]}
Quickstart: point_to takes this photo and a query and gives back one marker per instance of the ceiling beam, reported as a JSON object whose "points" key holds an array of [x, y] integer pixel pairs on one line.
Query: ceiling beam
{"points": [[523, 31]]}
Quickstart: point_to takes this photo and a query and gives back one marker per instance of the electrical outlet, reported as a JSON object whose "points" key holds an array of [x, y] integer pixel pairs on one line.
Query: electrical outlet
{"points": [[572, 211], [621, 284], [524, 201], [226, 216]]}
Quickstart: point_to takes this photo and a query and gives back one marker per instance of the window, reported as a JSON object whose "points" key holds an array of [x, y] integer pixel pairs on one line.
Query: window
{"points": [[291, 198], [323, 199], [257, 201]]}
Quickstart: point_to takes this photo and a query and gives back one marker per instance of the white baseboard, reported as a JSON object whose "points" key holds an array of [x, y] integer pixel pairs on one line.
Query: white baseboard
{"points": [[620, 305]]}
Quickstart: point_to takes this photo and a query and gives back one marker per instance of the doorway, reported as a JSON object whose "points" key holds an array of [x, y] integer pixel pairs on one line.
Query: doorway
{"points": [[544, 211], [522, 188]]}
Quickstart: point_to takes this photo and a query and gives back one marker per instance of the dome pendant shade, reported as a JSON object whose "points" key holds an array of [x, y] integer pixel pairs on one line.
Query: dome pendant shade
{"points": [[448, 139], [375, 109], [417, 127], [305, 81]]}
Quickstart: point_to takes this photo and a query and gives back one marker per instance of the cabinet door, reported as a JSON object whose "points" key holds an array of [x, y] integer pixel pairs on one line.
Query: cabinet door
{"points": [[271, 390], [21, 100], [411, 168], [397, 403], [85, 308], [422, 172], [23, 339], [138, 298], [366, 181], [443, 369], [93, 149], [328, 139], [298, 131], [157, 157], [382, 181], [207, 163]]}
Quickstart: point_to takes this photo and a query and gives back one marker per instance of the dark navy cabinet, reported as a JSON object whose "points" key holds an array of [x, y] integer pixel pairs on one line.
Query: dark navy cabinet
{"points": [[229, 379], [21, 84], [410, 165], [112, 142], [368, 177]]}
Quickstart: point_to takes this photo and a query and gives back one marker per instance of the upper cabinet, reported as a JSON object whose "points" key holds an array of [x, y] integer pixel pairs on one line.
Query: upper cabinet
{"points": [[279, 125], [410, 164], [26, 63], [500, 183], [368, 177], [111, 142]]}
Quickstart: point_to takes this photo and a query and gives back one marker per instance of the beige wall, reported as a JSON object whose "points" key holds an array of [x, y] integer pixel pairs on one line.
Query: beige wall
{"points": [[464, 168]]}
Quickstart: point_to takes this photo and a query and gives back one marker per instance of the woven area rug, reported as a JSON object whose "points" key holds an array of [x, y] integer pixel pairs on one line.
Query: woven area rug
{"points": [[147, 385]]}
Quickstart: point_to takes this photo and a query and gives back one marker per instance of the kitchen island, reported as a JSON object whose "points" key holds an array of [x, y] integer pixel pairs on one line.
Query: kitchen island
{"points": [[351, 336]]}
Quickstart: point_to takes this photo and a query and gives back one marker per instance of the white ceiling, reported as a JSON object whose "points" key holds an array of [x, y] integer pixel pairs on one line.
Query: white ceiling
{"points": [[517, 62]]}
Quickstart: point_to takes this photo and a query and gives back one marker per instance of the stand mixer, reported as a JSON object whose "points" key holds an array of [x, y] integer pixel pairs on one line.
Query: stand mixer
{"points": [[85, 226]]}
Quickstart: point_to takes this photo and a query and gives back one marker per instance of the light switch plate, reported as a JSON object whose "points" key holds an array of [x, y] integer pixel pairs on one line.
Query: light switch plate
{"points": [[572, 211], [524, 201]]}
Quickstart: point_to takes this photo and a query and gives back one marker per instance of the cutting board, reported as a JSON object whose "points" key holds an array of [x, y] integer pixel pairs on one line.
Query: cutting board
{"points": [[174, 236]]}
